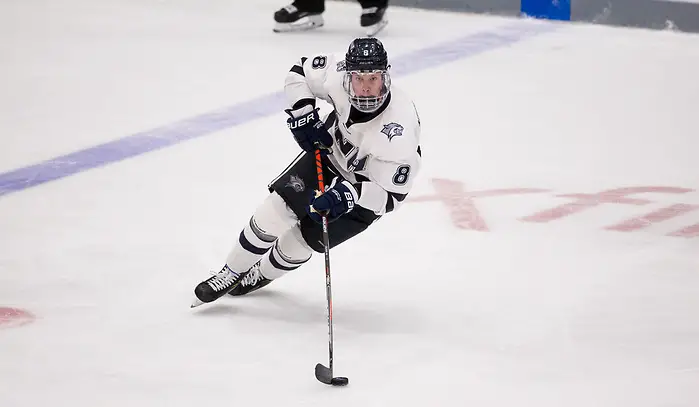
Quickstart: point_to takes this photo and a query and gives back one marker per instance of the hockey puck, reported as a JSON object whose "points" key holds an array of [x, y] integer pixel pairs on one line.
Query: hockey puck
{"points": [[339, 381]]}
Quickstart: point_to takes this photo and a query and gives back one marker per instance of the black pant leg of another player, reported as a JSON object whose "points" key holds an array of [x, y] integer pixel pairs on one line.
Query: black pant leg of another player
{"points": [[373, 3], [316, 6]]}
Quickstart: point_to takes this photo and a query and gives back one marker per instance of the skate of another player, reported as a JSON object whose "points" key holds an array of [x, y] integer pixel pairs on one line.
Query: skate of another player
{"points": [[305, 16]]}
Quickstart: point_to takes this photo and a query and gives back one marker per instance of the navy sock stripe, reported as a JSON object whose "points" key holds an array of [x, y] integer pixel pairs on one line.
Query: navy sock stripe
{"points": [[278, 265], [287, 259], [259, 233], [249, 246]]}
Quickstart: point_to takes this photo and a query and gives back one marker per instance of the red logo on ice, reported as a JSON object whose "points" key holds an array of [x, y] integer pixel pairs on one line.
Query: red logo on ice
{"points": [[14, 317], [461, 204]]}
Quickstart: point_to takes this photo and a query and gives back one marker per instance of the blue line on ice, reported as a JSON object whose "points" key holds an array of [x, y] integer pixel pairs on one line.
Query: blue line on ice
{"points": [[198, 126]]}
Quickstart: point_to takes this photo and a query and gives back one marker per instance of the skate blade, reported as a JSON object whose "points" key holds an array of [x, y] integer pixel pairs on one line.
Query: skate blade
{"points": [[372, 30], [196, 302], [304, 24]]}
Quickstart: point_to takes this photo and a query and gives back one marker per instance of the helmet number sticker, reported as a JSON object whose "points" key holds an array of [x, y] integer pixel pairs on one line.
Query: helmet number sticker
{"points": [[319, 62]]}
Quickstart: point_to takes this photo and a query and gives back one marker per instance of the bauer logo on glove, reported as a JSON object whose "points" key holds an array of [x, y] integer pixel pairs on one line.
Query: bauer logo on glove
{"points": [[338, 199], [308, 130], [302, 121]]}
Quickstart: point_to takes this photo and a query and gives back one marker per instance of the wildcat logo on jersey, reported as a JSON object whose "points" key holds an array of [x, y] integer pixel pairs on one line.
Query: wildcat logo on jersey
{"points": [[341, 66], [296, 183], [392, 130]]}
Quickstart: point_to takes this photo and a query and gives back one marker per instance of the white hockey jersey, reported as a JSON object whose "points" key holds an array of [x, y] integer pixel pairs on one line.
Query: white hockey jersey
{"points": [[379, 153]]}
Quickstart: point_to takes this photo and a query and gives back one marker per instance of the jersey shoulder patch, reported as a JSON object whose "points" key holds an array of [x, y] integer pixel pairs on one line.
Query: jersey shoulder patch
{"points": [[392, 130]]}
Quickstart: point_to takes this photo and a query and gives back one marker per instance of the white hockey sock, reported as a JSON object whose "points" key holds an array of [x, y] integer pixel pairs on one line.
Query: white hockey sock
{"points": [[289, 252], [271, 219]]}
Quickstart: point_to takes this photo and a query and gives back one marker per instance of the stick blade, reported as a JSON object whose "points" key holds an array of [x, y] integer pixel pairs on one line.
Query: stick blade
{"points": [[325, 375]]}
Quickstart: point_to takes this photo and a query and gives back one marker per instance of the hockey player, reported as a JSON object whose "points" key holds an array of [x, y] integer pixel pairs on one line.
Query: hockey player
{"points": [[370, 154], [308, 14]]}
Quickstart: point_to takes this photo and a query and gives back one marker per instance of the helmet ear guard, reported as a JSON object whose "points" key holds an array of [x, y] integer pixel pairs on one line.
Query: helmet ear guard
{"points": [[366, 55]]}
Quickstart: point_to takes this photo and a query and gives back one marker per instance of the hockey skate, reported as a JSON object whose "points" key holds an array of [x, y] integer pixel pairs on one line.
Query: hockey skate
{"points": [[291, 18], [216, 286], [373, 20], [252, 280]]}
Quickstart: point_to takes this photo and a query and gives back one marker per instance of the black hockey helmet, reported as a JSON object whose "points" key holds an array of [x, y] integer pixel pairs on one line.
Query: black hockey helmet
{"points": [[367, 56]]}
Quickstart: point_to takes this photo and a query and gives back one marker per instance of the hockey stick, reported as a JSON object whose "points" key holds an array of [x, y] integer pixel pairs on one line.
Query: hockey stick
{"points": [[325, 374]]}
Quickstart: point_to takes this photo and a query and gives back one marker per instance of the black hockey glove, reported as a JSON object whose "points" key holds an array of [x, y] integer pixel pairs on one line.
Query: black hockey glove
{"points": [[338, 199], [308, 130]]}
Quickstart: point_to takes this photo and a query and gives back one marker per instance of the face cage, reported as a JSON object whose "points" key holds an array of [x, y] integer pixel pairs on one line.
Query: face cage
{"points": [[367, 104]]}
